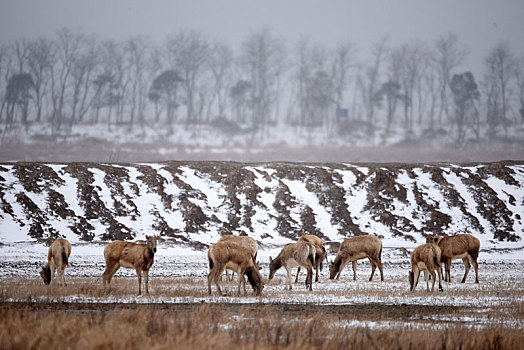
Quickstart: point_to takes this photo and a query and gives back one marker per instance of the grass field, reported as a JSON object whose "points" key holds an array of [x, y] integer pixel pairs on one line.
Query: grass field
{"points": [[179, 312]]}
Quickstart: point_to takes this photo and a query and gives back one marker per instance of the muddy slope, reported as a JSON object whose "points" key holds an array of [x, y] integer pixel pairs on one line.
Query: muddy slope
{"points": [[188, 201]]}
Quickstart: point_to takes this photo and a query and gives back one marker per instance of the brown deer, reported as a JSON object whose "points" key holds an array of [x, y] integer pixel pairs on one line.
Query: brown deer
{"points": [[293, 255], [356, 248], [464, 246], [238, 259], [57, 259], [243, 241], [426, 258], [320, 253], [132, 256]]}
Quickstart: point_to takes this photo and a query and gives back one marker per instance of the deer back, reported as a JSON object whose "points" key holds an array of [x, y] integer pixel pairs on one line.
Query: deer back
{"points": [[320, 251], [360, 247], [243, 241], [300, 252], [426, 256], [59, 253], [459, 244], [127, 254], [222, 253]]}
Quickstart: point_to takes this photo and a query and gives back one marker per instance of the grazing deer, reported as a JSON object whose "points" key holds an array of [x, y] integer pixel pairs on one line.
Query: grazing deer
{"points": [[320, 254], [464, 246], [426, 258], [132, 256], [57, 259], [293, 255], [243, 241], [236, 258], [356, 248]]}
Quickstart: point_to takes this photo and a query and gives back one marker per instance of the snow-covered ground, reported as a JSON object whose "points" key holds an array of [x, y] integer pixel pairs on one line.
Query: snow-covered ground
{"points": [[140, 203], [501, 284]]}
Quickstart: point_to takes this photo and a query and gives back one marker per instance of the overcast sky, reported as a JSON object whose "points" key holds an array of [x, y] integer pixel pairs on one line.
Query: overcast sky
{"points": [[480, 24]]}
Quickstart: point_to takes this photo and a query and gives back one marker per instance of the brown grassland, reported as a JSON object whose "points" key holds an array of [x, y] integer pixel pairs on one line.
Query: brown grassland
{"points": [[42, 317]]}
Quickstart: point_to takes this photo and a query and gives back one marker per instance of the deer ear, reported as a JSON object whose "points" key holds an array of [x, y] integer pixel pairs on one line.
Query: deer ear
{"points": [[270, 259], [147, 237]]}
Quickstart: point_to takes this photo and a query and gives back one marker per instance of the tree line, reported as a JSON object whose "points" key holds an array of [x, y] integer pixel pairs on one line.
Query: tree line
{"points": [[189, 80]]}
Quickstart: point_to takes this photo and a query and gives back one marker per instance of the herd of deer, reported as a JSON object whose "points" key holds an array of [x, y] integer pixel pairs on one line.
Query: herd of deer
{"points": [[239, 253]]}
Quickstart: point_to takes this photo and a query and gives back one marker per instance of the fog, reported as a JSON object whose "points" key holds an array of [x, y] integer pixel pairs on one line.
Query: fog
{"points": [[339, 80]]}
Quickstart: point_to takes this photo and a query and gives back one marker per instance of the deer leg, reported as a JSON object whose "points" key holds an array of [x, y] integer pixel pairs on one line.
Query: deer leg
{"points": [[465, 261], [296, 278], [354, 262], [139, 274], [146, 277], [288, 270], [413, 277], [447, 266], [416, 273], [209, 277], [109, 273], [373, 268], [439, 271], [476, 267], [342, 265], [240, 279], [309, 278], [316, 272], [433, 277], [379, 264], [426, 277], [52, 266], [216, 273], [61, 277]]}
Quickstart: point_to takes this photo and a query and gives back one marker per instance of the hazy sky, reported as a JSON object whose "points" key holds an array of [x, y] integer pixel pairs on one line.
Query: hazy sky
{"points": [[480, 24]]}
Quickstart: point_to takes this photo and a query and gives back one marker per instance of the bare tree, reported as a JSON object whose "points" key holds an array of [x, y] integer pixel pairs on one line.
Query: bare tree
{"points": [[113, 61], [500, 69], [137, 53], [40, 63], [164, 90], [519, 75], [313, 86], [84, 64], [447, 56], [343, 61], [465, 95], [369, 82], [220, 63], [6, 68], [263, 59], [67, 47], [187, 53], [18, 93]]}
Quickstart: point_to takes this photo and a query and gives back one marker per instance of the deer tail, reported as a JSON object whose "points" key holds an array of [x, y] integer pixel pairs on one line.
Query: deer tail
{"points": [[436, 258], [210, 261], [65, 259], [312, 253]]}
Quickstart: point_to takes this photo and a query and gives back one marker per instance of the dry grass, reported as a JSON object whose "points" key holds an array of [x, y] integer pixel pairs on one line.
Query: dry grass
{"points": [[40, 313], [210, 326]]}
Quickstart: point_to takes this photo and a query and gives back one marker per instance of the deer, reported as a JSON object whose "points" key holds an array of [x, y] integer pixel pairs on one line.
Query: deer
{"points": [[320, 254], [356, 248], [244, 241], [57, 259], [293, 255], [463, 246], [233, 256], [132, 256], [426, 258]]}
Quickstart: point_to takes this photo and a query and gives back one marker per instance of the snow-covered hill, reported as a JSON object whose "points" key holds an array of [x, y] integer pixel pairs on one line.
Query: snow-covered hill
{"points": [[194, 203]]}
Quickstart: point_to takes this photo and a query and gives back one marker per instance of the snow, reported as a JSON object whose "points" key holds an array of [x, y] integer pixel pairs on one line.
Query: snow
{"points": [[210, 196]]}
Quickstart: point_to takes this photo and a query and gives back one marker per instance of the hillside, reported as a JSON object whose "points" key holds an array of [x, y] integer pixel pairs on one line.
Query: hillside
{"points": [[193, 203]]}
